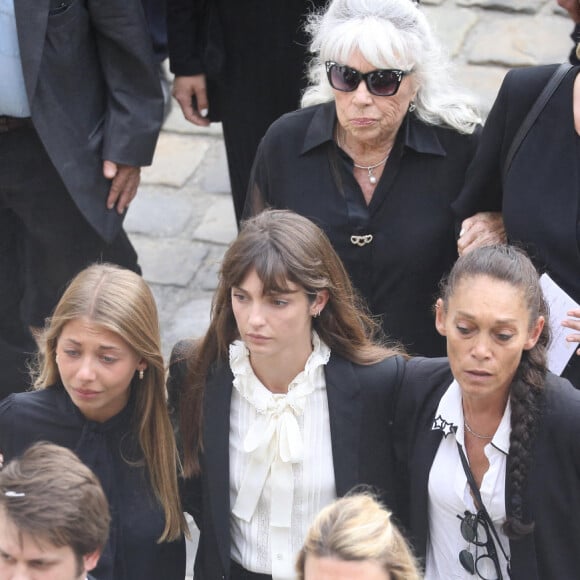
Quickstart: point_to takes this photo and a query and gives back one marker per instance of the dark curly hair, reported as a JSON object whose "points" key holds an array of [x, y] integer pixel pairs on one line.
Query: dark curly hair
{"points": [[510, 264]]}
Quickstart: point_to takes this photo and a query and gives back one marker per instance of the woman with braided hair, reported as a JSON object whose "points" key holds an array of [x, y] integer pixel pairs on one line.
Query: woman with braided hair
{"points": [[489, 439]]}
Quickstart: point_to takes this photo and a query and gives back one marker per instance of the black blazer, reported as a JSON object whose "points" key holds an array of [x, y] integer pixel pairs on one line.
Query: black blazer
{"points": [[552, 497], [361, 403], [94, 93]]}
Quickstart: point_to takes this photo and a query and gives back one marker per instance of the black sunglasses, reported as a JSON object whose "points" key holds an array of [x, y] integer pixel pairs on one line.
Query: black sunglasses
{"points": [[382, 82], [475, 530]]}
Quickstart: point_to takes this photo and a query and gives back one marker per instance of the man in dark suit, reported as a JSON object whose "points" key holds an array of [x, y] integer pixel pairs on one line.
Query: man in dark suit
{"points": [[241, 63], [80, 112]]}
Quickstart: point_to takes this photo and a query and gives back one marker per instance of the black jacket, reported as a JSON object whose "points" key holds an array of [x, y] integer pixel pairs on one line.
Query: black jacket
{"points": [[552, 496], [360, 401]]}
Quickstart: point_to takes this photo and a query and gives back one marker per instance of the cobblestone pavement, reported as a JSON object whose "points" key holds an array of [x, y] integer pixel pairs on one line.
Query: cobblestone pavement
{"points": [[182, 219]]}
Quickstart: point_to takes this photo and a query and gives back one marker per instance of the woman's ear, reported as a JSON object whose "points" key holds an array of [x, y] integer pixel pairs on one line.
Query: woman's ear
{"points": [[440, 317], [319, 302], [535, 333]]}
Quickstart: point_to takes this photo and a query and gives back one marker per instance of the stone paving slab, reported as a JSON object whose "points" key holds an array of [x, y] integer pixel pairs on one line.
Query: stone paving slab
{"points": [[159, 213], [519, 41], [451, 26], [219, 223], [171, 262], [176, 158]]}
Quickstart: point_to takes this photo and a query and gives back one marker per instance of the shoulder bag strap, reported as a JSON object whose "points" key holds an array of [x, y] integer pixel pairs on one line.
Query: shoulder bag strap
{"points": [[534, 113]]}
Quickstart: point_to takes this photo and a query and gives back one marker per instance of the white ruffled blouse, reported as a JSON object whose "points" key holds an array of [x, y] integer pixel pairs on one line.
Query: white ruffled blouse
{"points": [[281, 469]]}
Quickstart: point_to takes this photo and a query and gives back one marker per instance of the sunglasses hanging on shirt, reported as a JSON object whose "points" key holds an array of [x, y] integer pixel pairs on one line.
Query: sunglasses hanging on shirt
{"points": [[478, 529]]}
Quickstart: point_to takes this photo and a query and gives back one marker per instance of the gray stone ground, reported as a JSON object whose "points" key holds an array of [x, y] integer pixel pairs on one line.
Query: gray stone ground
{"points": [[182, 219]]}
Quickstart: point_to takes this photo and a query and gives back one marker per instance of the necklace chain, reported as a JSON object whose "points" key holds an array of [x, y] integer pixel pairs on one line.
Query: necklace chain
{"points": [[369, 168], [479, 436]]}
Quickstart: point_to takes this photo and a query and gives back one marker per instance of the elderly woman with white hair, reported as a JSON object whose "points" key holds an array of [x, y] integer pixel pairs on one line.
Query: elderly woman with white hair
{"points": [[375, 157]]}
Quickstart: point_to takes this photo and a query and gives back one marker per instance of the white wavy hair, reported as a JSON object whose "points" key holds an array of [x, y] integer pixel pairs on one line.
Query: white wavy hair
{"points": [[389, 34]]}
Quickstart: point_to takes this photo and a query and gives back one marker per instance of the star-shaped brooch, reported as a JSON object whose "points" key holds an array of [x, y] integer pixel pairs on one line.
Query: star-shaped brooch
{"points": [[439, 423]]}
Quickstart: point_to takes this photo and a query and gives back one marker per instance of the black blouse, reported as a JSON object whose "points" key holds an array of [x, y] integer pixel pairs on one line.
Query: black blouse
{"points": [[299, 167], [132, 551]]}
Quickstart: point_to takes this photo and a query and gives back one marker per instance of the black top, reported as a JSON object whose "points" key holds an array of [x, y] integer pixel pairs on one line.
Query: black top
{"points": [[540, 199], [132, 551], [298, 166]]}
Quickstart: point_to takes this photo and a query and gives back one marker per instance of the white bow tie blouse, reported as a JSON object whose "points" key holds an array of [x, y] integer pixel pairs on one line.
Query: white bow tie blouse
{"points": [[281, 469]]}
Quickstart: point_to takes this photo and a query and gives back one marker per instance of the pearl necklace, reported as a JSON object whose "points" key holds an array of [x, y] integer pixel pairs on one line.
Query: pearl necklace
{"points": [[369, 168], [470, 430]]}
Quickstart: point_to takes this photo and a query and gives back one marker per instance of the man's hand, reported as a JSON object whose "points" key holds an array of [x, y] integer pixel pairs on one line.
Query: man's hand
{"points": [[185, 89], [572, 7], [124, 186], [482, 229]]}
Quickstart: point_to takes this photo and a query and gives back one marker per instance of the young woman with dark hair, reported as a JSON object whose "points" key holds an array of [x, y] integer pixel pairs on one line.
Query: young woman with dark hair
{"points": [[284, 402]]}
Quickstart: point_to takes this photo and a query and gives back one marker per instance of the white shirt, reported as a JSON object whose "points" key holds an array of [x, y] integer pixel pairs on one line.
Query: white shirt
{"points": [[281, 468], [13, 99], [449, 493]]}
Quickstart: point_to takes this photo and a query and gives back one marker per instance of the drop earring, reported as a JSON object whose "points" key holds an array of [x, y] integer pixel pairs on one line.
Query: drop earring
{"points": [[141, 374]]}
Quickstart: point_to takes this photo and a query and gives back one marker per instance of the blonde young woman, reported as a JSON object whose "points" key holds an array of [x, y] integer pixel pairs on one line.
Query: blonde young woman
{"points": [[285, 402], [100, 392], [355, 537]]}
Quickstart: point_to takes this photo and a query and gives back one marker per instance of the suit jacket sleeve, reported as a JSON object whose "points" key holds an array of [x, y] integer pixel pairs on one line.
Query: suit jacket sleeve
{"points": [[134, 111], [185, 33], [6, 428], [483, 190]]}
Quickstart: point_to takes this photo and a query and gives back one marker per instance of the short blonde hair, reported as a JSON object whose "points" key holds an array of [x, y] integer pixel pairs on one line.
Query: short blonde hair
{"points": [[359, 528]]}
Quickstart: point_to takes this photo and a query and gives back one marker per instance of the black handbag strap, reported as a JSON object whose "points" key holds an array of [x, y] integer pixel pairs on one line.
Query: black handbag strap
{"points": [[481, 505], [534, 113]]}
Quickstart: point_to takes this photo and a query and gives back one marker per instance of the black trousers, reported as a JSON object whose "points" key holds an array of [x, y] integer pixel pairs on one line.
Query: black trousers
{"points": [[44, 242]]}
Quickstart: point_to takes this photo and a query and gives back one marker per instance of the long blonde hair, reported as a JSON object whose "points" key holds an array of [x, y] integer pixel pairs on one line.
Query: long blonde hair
{"points": [[120, 301], [358, 528]]}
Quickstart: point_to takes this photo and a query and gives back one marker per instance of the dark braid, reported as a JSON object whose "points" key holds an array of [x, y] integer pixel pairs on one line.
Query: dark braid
{"points": [[526, 398], [511, 265]]}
